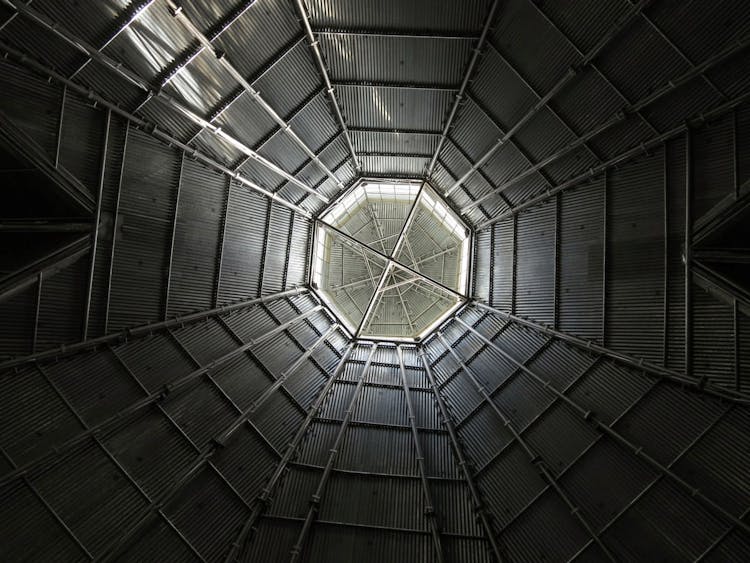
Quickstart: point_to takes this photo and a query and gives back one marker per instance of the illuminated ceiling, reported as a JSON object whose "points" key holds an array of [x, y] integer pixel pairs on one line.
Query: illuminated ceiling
{"points": [[391, 259]]}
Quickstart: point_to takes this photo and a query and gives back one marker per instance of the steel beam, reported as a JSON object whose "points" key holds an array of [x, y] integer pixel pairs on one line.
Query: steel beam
{"points": [[625, 156], [315, 46], [113, 549], [223, 59], [556, 88], [48, 265], [21, 144], [261, 502], [463, 463], [618, 117], [317, 496], [149, 127], [606, 430], [534, 458], [429, 507], [138, 81], [620, 357], [464, 84], [144, 330], [47, 225]]}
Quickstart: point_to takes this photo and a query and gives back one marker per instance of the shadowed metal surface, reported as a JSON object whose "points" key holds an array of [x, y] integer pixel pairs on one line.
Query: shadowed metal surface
{"points": [[174, 383]]}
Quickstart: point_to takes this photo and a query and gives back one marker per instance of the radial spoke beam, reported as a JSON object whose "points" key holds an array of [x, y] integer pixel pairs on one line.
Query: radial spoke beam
{"points": [[607, 430], [152, 129], [620, 357], [144, 330], [223, 59], [144, 85], [554, 90], [617, 118], [291, 452], [625, 156], [429, 507], [317, 496], [534, 458], [315, 47]]}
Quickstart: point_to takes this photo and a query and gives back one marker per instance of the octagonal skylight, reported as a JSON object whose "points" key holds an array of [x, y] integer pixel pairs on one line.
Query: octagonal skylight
{"points": [[391, 260]]}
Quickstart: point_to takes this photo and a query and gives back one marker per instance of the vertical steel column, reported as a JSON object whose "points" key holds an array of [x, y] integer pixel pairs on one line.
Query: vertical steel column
{"points": [[115, 217], [687, 252], [463, 463], [261, 502], [220, 265], [514, 268], [97, 219], [58, 143], [429, 505], [534, 458], [556, 294], [605, 251], [164, 393], [37, 306], [174, 234], [665, 287], [318, 494], [611, 433], [112, 550]]}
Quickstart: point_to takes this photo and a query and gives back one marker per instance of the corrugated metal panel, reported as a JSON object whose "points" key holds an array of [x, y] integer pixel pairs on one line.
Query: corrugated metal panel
{"points": [[206, 340], [581, 261], [712, 338], [208, 513], [246, 463], [62, 304], [159, 541], [564, 537], [410, 60], [635, 261], [442, 16], [95, 384], [202, 412], [31, 520], [154, 360], [243, 242], [535, 263], [407, 513], [277, 250], [150, 449], [394, 108], [278, 420], [91, 495], [712, 165], [591, 481], [506, 501], [136, 46], [33, 418], [516, 100], [623, 64], [197, 235], [504, 270], [112, 169], [335, 543], [143, 232], [708, 31], [33, 104], [17, 315], [609, 389], [675, 353], [587, 21], [82, 140], [542, 61]]}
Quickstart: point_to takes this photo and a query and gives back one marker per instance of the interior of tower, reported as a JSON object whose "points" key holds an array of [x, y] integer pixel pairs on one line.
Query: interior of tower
{"points": [[338, 281]]}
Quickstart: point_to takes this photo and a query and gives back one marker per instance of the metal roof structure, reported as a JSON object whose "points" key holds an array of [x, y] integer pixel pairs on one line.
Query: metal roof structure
{"points": [[179, 383], [391, 260]]}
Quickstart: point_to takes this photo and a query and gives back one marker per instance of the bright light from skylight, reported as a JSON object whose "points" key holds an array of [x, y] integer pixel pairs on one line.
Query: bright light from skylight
{"points": [[391, 260]]}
